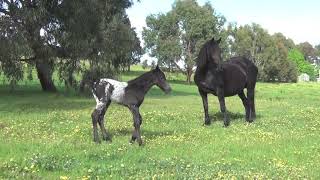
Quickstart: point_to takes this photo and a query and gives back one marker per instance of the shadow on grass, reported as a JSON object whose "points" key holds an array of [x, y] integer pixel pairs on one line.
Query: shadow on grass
{"points": [[147, 133], [218, 116]]}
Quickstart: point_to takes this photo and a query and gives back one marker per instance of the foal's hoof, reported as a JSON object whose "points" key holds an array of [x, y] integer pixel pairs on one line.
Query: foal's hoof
{"points": [[140, 142], [107, 139], [97, 141]]}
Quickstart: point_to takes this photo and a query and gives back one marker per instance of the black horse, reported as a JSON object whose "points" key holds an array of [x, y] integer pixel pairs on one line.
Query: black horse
{"points": [[224, 79], [130, 94]]}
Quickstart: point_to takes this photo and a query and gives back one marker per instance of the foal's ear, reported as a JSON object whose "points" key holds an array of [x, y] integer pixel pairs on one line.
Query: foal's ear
{"points": [[212, 40], [157, 67]]}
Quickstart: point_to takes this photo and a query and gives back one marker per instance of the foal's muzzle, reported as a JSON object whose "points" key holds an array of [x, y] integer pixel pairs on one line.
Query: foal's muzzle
{"points": [[167, 89]]}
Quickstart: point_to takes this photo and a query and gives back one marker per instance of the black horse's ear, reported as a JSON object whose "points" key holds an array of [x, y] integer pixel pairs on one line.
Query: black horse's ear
{"points": [[212, 40], [157, 67], [219, 40]]}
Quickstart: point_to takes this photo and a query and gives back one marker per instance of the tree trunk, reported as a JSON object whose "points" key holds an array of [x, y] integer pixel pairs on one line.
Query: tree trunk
{"points": [[44, 70], [188, 79], [189, 74], [128, 67]]}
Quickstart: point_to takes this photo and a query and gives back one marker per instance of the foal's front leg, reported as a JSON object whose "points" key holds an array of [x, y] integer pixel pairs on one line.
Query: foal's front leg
{"points": [[220, 93], [105, 135], [96, 114], [136, 123]]}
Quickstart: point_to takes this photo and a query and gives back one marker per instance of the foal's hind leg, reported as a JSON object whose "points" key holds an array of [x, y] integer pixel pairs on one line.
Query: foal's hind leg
{"points": [[105, 135], [245, 104]]}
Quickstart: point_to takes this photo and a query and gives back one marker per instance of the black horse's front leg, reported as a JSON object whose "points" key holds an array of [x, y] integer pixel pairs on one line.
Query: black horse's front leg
{"points": [[205, 107], [223, 108], [137, 120]]}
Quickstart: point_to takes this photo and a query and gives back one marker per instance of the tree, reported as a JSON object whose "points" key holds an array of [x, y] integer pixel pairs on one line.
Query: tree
{"points": [[68, 35], [145, 64], [296, 56], [269, 53], [308, 51], [180, 33]]}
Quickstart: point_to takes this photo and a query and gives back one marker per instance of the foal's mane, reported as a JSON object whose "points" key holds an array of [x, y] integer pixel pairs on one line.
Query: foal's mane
{"points": [[141, 79]]}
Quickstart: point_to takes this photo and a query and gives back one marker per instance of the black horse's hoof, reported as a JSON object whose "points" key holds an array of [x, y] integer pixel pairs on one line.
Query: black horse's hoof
{"points": [[207, 122], [250, 121], [226, 124]]}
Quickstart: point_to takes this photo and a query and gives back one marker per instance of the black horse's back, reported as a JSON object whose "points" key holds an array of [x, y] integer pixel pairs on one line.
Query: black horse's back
{"points": [[248, 67]]}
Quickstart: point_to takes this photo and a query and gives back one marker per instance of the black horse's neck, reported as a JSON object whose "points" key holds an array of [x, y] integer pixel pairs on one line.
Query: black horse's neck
{"points": [[143, 82]]}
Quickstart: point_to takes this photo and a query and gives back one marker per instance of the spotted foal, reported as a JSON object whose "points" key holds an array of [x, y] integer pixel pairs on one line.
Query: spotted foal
{"points": [[130, 94]]}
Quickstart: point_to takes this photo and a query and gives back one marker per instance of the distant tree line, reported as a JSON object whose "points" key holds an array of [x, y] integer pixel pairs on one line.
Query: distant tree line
{"points": [[85, 40], [178, 34], [82, 38]]}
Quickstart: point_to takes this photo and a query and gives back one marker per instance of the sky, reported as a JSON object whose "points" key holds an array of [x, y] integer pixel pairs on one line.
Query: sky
{"points": [[296, 19]]}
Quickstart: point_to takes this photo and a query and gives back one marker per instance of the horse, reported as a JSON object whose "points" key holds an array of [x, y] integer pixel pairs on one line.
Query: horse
{"points": [[130, 94], [224, 79]]}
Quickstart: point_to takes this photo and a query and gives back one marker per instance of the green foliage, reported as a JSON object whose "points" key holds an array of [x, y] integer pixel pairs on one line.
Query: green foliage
{"points": [[62, 34], [54, 140], [303, 66], [268, 52], [308, 51], [180, 33]]}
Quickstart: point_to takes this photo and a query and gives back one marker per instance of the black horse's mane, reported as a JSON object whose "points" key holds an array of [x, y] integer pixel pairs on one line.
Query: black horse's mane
{"points": [[203, 56]]}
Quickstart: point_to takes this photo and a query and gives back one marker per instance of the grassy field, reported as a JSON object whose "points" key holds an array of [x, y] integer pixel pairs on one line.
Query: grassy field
{"points": [[50, 136]]}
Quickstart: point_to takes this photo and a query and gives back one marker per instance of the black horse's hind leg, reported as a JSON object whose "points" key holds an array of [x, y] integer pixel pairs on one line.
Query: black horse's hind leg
{"points": [[105, 135], [137, 120], [245, 104], [205, 107], [223, 108], [250, 95]]}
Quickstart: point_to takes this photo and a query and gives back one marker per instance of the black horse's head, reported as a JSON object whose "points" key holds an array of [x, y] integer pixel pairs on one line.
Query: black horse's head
{"points": [[210, 52], [160, 80]]}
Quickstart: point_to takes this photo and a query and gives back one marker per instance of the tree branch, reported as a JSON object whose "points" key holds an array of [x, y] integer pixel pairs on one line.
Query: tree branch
{"points": [[28, 60], [59, 51], [181, 70]]}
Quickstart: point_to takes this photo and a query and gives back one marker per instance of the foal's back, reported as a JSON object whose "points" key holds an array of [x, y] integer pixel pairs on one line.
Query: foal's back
{"points": [[118, 89]]}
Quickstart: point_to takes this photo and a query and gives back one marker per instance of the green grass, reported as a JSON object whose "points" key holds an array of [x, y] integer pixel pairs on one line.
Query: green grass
{"points": [[50, 135]]}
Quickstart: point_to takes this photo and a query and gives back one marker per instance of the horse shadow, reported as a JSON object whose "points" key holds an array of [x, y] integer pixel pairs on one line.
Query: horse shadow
{"points": [[238, 116]]}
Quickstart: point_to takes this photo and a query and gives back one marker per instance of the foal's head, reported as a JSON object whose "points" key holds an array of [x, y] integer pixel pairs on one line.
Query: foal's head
{"points": [[210, 52], [160, 80]]}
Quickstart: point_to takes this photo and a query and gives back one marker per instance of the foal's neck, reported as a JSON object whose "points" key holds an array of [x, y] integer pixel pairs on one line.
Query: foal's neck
{"points": [[143, 82]]}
